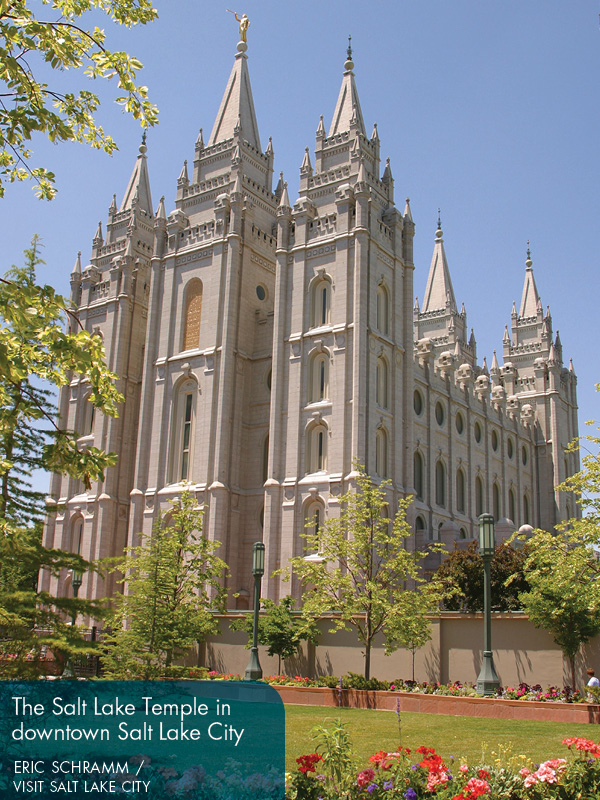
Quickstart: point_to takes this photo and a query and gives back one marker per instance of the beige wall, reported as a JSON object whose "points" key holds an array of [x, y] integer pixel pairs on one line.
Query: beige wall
{"points": [[521, 653]]}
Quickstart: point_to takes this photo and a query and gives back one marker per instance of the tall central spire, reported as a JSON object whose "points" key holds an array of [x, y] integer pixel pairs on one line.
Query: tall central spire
{"points": [[347, 109], [439, 292], [530, 299], [236, 113]]}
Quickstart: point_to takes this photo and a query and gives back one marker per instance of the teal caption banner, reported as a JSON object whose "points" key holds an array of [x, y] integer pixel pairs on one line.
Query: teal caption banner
{"points": [[102, 740]]}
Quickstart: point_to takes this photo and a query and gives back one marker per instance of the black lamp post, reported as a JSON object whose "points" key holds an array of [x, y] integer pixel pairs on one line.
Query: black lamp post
{"points": [[488, 681], [76, 581], [254, 670]]}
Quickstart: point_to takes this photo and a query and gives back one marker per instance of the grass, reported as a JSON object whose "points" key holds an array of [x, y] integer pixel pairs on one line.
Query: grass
{"points": [[461, 737]]}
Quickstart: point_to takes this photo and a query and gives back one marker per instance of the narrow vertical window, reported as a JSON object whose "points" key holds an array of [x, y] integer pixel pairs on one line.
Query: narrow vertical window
{"points": [[511, 506], [381, 454], [317, 449], [440, 484], [186, 438], [321, 303], [460, 491], [265, 464], [192, 315], [383, 310], [319, 379], [418, 478], [526, 518], [183, 432], [381, 386], [478, 496], [497, 507]]}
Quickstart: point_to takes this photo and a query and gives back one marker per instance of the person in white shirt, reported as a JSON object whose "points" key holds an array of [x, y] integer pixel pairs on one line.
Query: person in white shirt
{"points": [[592, 682]]}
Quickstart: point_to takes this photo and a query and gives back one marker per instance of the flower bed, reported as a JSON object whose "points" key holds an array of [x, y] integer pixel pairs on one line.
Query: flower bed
{"points": [[331, 773]]}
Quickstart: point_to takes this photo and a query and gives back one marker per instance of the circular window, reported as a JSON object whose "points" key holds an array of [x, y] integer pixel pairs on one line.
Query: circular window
{"points": [[460, 423], [477, 432], [418, 402], [261, 292], [494, 440], [510, 448], [524, 455], [440, 414], [269, 376]]}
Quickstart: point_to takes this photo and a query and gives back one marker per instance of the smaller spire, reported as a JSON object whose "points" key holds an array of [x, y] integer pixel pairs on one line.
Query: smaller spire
{"points": [[183, 175], [463, 311], [407, 211], [571, 367], [113, 206], [321, 129], [362, 172], [237, 186], [387, 172], [306, 166], [77, 268], [98, 238], [416, 304], [506, 337], [557, 342], [200, 141], [269, 150], [552, 359], [513, 313], [160, 211], [484, 367], [375, 134], [285, 198], [472, 340], [495, 366]]}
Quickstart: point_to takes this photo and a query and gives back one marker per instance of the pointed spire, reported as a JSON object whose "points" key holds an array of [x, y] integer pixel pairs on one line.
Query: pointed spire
{"points": [[138, 187], [407, 211], [200, 141], [98, 238], [285, 198], [557, 342], [439, 293], [506, 337], [76, 273], [552, 357], [347, 110], [237, 106], [387, 172], [321, 129], [183, 175], [269, 150], [484, 368], [160, 211], [472, 341], [530, 300], [237, 186], [463, 311], [375, 134], [571, 367], [495, 366], [306, 166], [513, 313], [416, 308], [113, 206]]}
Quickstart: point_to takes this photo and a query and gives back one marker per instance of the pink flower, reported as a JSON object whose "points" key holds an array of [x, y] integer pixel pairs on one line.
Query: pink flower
{"points": [[464, 768], [365, 777]]}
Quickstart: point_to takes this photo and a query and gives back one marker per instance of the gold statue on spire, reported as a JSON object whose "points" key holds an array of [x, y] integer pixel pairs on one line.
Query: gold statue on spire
{"points": [[244, 23]]}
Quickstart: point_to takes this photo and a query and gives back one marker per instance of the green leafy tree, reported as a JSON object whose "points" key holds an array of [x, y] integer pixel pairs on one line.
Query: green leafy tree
{"points": [[279, 628], [34, 346], [461, 573], [173, 584], [564, 598], [415, 630], [364, 569], [33, 45]]}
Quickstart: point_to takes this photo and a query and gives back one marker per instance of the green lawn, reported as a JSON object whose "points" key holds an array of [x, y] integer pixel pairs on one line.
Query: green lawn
{"points": [[451, 736]]}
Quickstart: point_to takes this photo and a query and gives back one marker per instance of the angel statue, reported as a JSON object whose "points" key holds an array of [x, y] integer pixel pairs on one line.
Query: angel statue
{"points": [[244, 23]]}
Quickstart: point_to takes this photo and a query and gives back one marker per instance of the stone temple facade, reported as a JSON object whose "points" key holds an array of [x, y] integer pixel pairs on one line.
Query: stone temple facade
{"points": [[264, 347]]}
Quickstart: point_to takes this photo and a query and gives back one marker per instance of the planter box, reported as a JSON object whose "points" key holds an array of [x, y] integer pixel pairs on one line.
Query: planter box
{"points": [[439, 704]]}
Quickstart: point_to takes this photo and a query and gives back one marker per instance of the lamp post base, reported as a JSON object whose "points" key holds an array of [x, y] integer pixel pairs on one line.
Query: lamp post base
{"points": [[253, 670], [487, 681]]}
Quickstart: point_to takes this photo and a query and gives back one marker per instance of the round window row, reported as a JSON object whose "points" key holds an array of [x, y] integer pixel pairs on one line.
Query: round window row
{"points": [[440, 418]]}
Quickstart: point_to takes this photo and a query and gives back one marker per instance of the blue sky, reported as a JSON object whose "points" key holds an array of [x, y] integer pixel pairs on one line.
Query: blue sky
{"points": [[489, 111]]}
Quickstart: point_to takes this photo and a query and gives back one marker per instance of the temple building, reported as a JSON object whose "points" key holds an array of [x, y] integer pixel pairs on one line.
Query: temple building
{"points": [[265, 346]]}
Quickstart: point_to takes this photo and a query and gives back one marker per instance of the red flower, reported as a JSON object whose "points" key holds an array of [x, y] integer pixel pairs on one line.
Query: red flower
{"points": [[483, 774], [307, 763], [378, 758]]}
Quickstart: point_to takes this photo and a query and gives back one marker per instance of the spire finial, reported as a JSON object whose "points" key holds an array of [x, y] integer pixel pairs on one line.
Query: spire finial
{"points": [[528, 262], [143, 147], [439, 233], [349, 64]]}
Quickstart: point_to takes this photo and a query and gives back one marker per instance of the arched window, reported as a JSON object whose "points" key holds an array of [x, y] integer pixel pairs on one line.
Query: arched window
{"points": [[418, 470], [419, 524], [511, 506], [183, 431], [321, 303], [497, 505], [192, 314], [460, 491], [89, 416], [319, 378], [313, 521], [463, 533], [381, 388], [381, 453], [317, 448], [383, 310], [77, 536], [526, 516], [440, 483], [478, 496], [265, 464]]}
